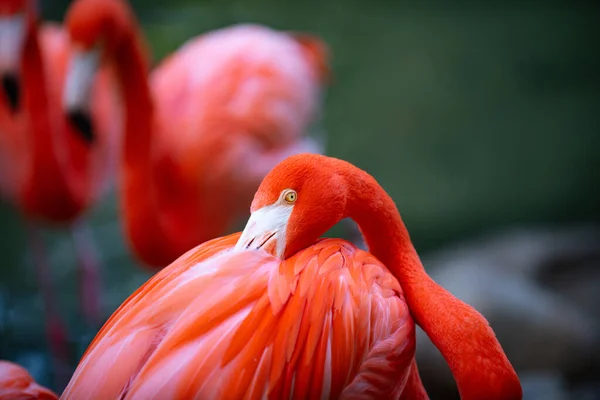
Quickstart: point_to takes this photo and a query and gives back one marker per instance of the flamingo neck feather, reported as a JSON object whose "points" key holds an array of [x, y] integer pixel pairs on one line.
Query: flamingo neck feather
{"points": [[132, 69], [41, 134], [138, 199]]}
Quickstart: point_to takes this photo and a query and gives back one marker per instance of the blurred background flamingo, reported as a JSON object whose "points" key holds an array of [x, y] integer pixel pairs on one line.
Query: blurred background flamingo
{"points": [[204, 128], [16, 383], [481, 120], [49, 173]]}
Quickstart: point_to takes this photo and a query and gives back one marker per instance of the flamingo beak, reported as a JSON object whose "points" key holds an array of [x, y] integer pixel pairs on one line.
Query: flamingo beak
{"points": [[266, 230], [12, 40], [78, 88]]}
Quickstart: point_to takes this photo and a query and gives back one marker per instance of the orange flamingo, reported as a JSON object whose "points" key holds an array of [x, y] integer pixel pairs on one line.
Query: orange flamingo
{"points": [[46, 170], [204, 129], [275, 312], [16, 383]]}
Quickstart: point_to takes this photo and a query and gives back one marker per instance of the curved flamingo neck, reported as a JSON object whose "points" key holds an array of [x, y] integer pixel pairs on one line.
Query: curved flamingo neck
{"points": [[138, 199], [132, 72], [35, 100], [463, 336], [45, 190], [35, 96]]}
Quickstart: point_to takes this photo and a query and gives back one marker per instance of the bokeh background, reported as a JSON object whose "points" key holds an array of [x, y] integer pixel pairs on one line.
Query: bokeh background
{"points": [[481, 119]]}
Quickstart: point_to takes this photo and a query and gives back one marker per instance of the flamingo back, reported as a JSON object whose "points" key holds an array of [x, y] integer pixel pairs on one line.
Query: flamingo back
{"points": [[219, 323], [246, 75]]}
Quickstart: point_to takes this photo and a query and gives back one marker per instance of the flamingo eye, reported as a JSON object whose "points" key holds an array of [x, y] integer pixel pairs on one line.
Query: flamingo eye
{"points": [[290, 196]]}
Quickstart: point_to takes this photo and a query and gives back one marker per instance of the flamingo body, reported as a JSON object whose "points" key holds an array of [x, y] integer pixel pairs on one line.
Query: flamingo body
{"points": [[232, 74], [219, 323], [17, 384]]}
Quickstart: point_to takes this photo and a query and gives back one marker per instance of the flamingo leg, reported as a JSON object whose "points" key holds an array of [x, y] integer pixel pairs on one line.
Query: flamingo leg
{"points": [[88, 273], [56, 331]]}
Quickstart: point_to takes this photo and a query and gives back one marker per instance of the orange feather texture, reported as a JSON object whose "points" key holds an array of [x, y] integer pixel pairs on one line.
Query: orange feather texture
{"points": [[327, 320], [17, 384], [205, 126]]}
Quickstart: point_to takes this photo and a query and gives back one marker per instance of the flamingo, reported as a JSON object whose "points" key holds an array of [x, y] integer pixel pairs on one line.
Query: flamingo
{"points": [[204, 128], [275, 312], [16, 383], [50, 174]]}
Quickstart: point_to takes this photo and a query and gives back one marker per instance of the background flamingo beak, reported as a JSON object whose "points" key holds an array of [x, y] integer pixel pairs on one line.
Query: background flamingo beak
{"points": [[77, 94], [12, 38], [12, 91]]}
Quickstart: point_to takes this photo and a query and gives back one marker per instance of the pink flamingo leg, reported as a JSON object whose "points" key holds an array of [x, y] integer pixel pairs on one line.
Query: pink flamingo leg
{"points": [[56, 331], [88, 273]]}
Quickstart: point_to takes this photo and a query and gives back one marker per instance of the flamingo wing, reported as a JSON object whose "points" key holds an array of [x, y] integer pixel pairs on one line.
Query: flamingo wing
{"points": [[219, 324], [17, 384]]}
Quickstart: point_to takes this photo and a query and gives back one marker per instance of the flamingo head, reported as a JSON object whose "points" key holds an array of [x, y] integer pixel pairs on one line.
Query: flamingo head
{"points": [[99, 25], [97, 29], [16, 20], [297, 202]]}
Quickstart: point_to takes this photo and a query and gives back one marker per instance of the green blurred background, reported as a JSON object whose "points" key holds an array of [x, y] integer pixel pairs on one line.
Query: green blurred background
{"points": [[475, 116]]}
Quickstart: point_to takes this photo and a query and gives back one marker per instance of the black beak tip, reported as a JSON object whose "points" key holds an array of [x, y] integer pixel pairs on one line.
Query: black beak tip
{"points": [[12, 91], [82, 123]]}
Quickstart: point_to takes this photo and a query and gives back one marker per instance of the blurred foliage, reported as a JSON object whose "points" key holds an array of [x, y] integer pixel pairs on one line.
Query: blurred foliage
{"points": [[473, 116]]}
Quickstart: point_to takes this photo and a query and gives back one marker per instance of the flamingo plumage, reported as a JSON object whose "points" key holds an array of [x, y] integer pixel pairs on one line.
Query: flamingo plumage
{"points": [[50, 174], [275, 312], [204, 127], [17, 384]]}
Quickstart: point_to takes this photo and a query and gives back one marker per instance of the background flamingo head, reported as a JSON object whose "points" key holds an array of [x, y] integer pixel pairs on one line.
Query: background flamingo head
{"points": [[97, 29], [99, 24]]}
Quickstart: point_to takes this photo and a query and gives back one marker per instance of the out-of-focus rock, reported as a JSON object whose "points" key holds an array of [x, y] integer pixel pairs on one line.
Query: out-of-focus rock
{"points": [[544, 321], [586, 391], [544, 385]]}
